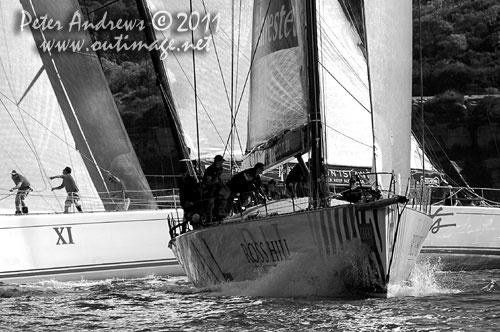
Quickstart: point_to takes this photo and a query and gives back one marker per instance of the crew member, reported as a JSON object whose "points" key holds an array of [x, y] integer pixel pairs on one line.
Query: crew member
{"points": [[23, 188], [69, 184]]}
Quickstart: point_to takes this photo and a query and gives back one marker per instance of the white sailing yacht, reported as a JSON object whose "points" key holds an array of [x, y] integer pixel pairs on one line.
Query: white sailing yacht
{"points": [[56, 110], [293, 66], [465, 233]]}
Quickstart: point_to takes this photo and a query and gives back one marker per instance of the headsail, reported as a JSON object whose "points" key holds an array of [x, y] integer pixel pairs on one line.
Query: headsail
{"points": [[344, 87], [57, 111], [344, 96], [389, 41], [278, 100]]}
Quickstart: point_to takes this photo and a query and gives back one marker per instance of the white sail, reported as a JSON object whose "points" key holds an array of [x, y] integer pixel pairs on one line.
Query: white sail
{"points": [[35, 138], [419, 158], [278, 99], [389, 40], [213, 71], [57, 110], [344, 88]]}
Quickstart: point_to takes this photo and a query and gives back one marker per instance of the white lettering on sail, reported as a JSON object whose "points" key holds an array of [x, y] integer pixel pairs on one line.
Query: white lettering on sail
{"points": [[274, 27]]}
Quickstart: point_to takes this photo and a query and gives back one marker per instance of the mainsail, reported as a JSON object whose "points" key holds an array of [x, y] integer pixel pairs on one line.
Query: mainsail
{"points": [[57, 111]]}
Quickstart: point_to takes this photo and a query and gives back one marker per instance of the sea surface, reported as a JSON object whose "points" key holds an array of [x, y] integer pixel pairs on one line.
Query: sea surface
{"points": [[436, 300]]}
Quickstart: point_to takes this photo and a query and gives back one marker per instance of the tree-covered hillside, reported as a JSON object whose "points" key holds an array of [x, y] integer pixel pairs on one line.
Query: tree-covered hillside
{"points": [[460, 42]]}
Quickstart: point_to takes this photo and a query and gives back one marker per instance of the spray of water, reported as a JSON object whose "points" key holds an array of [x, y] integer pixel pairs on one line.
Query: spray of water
{"points": [[303, 275], [423, 281]]}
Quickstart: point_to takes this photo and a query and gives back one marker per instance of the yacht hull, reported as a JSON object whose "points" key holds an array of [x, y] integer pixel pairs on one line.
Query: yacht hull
{"points": [[464, 237], [89, 246], [338, 249]]}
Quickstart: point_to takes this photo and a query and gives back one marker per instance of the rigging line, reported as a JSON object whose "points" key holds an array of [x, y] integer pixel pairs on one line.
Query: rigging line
{"points": [[29, 142], [342, 55], [494, 138], [346, 90], [232, 90], [238, 47], [103, 6], [233, 121], [45, 127], [199, 100], [374, 152], [220, 28], [31, 148], [421, 72], [353, 20], [434, 155], [32, 83], [339, 41], [346, 136], [195, 92], [321, 55], [252, 58], [217, 56], [251, 62], [7, 54], [239, 141], [71, 105]]}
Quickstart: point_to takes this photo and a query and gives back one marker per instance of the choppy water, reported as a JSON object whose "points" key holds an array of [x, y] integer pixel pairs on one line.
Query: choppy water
{"points": [[436, 301]]}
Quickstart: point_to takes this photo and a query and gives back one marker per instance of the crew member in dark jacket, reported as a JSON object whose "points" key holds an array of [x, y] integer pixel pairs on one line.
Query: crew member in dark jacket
{"points": [[23, 188], [247, 183], [296, 181], [212, 185], [190, 197]]}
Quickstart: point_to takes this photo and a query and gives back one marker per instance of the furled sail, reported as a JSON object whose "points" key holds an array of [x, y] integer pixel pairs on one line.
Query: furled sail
{"points": [[57, 111], [389, 53]]}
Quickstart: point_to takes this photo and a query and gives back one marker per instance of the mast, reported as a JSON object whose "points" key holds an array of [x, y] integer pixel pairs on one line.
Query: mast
{"points": [[161, 77], [421, 73], [374, 150], [316, 164]]}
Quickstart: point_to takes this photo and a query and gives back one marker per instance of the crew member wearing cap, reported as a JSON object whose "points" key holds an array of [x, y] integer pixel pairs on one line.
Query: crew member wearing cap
{"points": [[23, 188], [212, 184]]}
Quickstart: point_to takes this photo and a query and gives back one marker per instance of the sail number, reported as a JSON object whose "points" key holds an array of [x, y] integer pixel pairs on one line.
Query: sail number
{"points": [[64, 235], [183, 22]]}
